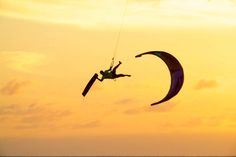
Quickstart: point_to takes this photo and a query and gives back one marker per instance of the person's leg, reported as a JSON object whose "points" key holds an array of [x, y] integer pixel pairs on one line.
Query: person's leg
{"points": [[122, 75], [114, 69]]}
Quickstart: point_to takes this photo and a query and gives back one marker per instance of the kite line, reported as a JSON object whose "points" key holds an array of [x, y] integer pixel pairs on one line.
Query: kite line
{"points": [[119, 33]]}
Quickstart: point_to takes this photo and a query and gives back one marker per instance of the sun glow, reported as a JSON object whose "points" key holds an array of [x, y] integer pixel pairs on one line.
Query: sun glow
{"points": [[51, 48], [22, 61], [107, 14]]}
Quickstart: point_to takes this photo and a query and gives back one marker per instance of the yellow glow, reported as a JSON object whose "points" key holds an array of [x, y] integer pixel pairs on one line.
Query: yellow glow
{"points": [[23, 61], [57, 45], [91, 14]]}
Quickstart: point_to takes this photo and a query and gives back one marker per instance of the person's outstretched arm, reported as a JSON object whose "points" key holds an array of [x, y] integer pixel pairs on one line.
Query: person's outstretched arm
{"points": [[110, 68], [100, 79]]}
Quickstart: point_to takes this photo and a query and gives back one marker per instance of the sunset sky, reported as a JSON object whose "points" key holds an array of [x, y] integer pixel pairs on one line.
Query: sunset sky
{"points": [[49, 49]]}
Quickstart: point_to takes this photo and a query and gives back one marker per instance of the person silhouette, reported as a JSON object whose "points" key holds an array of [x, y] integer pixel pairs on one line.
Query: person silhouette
{"points": [[111, 73]]}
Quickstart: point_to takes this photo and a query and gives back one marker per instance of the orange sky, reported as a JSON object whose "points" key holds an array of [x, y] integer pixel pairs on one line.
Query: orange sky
{"points": [[50, 49]]}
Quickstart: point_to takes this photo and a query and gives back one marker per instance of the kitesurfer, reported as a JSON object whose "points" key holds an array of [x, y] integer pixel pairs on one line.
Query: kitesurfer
{"points": [[111, 73]]}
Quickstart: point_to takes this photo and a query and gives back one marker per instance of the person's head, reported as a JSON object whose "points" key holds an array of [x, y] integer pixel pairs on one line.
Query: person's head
{"points": [[101, 72]]}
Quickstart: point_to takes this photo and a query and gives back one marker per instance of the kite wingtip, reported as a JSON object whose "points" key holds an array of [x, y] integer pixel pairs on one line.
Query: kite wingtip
{"points": [[138, 56], [155, 103]]}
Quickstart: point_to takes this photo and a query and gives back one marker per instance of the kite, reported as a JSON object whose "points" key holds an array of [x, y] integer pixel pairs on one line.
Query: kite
{"points": [[176, 72]]}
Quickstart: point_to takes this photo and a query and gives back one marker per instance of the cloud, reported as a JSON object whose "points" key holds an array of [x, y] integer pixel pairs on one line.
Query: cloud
{"points": [[192, 122], [208, 121], [203, 84], [65, 11], [124, 101], [8, 109], [32, 115], [91, 124], [23, 61], [108, 13], [165, 107], [132, 111], [12, 87]]}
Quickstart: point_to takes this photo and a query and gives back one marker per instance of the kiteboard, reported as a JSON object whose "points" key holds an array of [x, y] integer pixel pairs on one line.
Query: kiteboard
{"points": [[90, 83]]}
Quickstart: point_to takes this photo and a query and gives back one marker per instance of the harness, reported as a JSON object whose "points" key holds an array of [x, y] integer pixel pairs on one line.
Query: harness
{"points": [[108, 75]]}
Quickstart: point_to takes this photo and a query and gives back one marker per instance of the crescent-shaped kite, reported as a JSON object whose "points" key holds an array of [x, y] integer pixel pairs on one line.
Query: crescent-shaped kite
{"points": [[176, 72]]}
